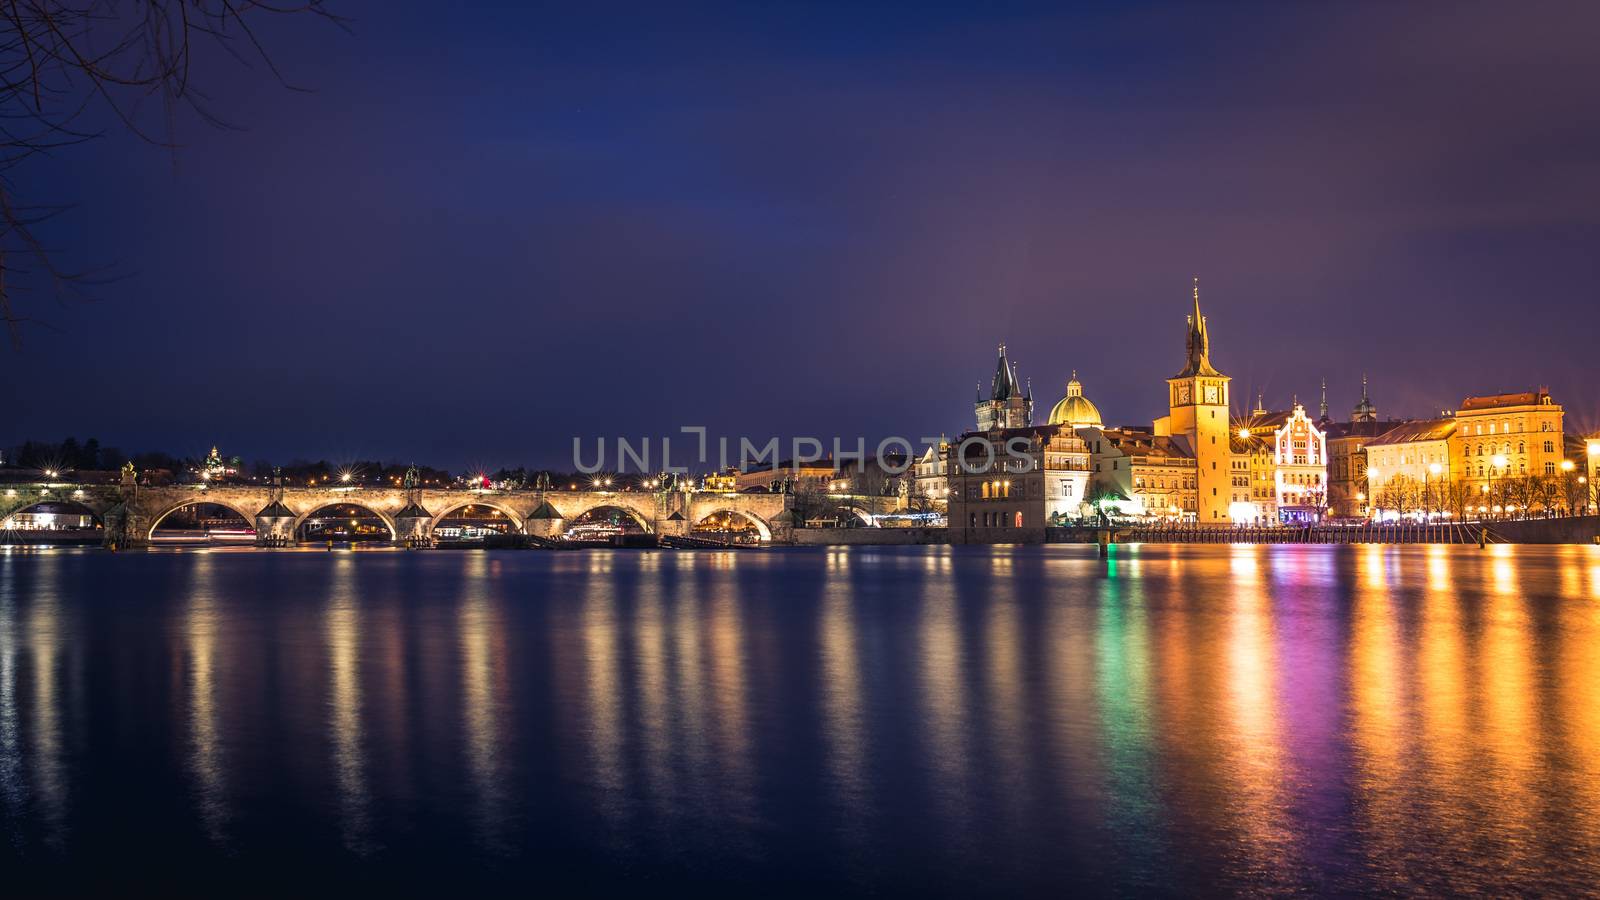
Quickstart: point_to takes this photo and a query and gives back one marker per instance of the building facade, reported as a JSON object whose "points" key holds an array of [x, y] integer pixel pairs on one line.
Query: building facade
{"points": [[1300, 469], [1408, 468], [1008, 485], [1507, 436], [1141, 475]]}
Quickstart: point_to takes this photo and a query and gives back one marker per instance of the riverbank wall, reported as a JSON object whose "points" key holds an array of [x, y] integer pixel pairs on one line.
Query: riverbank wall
{"points": [[832, 537]]}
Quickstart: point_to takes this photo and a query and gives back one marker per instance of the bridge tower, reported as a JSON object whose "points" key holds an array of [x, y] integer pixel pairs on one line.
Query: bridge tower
{"points": [[275, 521], [413, 524]]}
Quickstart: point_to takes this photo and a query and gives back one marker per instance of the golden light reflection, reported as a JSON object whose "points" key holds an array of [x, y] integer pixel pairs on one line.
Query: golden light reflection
{"points": [[45, 633], [483, 653], [1006, 715], [653, 685], [845, 722], [342, 629], [1447, 735], [1577, 701], [729, 713], [944, 698], [11, 784], [1509, 730], [206, 759], [605, 706], [1257, 764], [1379, 712]]}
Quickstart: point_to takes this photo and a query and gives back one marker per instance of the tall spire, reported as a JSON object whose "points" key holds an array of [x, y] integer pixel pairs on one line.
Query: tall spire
{"points": [[1199, 341], [1005, 385], [1261, 408], [1323, 408], [1364, 411]]}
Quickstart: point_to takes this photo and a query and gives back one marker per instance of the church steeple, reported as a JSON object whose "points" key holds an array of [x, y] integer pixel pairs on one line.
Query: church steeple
{"points": [[1199, 341], [1323, 407], [1005, 385], [1364, 411]]}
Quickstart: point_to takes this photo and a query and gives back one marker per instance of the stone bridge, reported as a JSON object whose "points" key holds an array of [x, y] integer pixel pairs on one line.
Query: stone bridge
{"points": [[130, 512]]}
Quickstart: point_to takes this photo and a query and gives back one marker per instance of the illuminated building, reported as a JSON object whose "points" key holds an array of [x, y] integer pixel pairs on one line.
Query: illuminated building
{"points": [[1522, 430], [1252, 467], [931, 480], [1142, 475], [1198, 412], [1348, 495], [1408, 467], [1300, 469], [1075, 410], [1007, 485], [1008, 406]]}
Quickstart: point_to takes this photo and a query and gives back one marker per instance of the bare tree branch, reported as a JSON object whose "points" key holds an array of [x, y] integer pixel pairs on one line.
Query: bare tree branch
{"points": [[64, 61]]}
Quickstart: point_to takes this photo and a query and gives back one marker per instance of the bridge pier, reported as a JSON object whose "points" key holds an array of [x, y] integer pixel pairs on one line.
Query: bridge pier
{"points": [[275, 526]]}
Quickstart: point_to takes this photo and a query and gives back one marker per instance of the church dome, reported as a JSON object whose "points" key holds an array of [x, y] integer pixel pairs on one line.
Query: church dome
{"points": [[1075, 410]]}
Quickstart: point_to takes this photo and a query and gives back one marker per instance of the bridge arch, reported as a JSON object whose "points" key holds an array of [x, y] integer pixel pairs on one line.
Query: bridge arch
{"points": [[155, 521], [77, 508], [512, 516], [762, 528], [388, 522], [643, 520], [859, 513]]}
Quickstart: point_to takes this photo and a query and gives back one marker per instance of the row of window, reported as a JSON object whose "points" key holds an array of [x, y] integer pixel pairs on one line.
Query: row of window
{"points": [[1505, 449], [1505, 426]]}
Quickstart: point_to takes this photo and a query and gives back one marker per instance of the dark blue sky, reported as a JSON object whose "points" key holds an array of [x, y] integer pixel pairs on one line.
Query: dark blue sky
{"points": [[484, 233]]}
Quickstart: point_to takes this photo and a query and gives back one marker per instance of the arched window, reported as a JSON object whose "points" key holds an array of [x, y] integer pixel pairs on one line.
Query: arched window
{"points": [[1019, 520], [986, 496]]}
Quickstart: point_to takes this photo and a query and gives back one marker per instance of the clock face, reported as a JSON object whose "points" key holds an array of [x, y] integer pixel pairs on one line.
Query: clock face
{"points": [[1183, 393], [1211, 393]]}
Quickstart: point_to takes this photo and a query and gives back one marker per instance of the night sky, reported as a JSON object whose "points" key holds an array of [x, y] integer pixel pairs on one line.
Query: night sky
{"points": [[483, 233]]}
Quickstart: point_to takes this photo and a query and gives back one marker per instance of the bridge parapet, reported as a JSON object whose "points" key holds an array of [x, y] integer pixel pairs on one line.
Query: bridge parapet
{"points": [[130, 513]]}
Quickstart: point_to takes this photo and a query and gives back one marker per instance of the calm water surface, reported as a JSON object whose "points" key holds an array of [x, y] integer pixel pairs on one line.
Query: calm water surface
{"points": [[947, 721]]}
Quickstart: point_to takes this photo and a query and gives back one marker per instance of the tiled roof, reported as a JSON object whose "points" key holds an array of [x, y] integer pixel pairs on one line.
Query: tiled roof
{"points": [[1416, 430], [1495, 401]]}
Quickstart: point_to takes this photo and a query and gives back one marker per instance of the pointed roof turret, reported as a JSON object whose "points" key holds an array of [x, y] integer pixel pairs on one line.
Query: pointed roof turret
{"points": [[1199, 342], [1323, 407], [1005, 384], [1365, 411]]}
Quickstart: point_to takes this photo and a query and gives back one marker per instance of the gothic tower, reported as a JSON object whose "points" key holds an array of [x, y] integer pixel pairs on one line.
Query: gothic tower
{"points": [[1198, 407], [1008, 406]]}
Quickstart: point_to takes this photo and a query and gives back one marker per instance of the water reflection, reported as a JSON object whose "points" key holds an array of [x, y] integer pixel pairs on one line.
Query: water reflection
{"points": [[12, 789], [343, 634], [1341, 720], [201, 629], [46, 643], [483, 659], [844, 719]]}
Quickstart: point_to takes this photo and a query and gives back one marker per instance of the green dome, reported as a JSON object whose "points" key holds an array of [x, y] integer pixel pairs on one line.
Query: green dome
{"points": [[1075, 410]]}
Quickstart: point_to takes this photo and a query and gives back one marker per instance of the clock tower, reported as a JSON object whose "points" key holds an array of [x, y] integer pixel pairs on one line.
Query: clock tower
{"points": [[1198, 410]]}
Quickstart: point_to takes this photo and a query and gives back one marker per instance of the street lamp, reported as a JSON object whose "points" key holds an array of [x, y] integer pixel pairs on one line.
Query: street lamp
{"points": [[1372, 476]]}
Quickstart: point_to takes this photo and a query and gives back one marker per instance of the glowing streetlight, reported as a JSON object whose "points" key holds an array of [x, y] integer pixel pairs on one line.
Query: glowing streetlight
{"points": [[1244, 433], [1568, 465], [344, 477]]}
